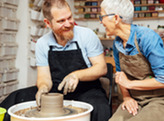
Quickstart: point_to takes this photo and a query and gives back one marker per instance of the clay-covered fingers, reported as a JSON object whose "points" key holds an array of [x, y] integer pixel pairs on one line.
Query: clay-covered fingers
{"points": [[71, 87], [64, 85], [74, 87], [68, 84], [61, 85], [41, 90], [66, 88]]}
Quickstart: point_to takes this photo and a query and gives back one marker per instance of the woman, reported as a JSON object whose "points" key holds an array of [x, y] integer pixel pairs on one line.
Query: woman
{"points": [[139, 60]]}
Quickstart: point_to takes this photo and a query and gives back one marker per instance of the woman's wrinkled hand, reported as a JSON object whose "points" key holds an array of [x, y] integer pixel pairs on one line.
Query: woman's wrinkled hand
{"points": [[130, 105], [121, 79], [69, 83]]}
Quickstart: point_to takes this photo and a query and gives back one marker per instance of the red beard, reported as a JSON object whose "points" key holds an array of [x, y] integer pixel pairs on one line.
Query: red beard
{"points": [[65, 33]]}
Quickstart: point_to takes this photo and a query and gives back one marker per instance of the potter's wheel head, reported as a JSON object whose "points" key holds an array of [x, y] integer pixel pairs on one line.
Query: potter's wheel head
{"points": [[39, 114]]}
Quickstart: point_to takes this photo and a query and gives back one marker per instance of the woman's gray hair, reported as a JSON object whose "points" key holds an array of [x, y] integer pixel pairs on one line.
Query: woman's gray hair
{"points": [[123, 8]]}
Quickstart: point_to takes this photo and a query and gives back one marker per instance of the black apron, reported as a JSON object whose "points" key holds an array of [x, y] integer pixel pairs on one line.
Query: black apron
{"points": [[62, 63]]}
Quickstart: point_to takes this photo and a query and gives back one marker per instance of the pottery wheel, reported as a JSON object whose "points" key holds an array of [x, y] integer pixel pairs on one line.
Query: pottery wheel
{"points": [[36, 113]]}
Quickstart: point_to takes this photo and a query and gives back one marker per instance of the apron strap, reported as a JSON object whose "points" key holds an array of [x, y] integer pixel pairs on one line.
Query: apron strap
{"points": [[76, 44], [136, 43], [51, 48]]}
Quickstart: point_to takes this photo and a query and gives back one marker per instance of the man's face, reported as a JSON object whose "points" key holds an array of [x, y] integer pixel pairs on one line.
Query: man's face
{"points": [[62, 23]]}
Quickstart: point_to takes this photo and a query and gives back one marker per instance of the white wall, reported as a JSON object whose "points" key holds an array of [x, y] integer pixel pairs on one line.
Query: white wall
{"points": [[71, 3], [22, 40]]}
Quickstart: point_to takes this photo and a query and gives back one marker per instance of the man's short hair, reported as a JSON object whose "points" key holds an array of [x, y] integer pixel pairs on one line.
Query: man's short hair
{"points": [[48, 4]]}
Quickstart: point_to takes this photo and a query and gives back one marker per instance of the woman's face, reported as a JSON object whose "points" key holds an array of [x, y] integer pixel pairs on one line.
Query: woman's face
{"points": [[109, 23]]}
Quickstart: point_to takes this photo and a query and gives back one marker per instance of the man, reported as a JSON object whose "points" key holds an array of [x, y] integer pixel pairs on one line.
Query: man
{"points": [[70, 60]]}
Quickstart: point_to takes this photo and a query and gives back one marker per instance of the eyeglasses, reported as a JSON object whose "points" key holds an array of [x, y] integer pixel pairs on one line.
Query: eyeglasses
{"points": [[101, 17]]}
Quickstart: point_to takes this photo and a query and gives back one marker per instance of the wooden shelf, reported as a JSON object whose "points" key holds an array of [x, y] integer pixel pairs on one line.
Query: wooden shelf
{"points": [[146, 18], [87, 12], [87, 0], [94, 0], [87, 19], [159, 4], [149, 11], [10, 19], [135, 19], [90, 7], [87, 6]]}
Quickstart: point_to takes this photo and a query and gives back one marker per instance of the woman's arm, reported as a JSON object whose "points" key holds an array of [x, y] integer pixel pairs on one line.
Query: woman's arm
{"points": [[146, 84]]}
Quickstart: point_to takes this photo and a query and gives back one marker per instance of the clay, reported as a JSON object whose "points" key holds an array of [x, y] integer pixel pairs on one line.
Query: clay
{"points": [[51, 106]]}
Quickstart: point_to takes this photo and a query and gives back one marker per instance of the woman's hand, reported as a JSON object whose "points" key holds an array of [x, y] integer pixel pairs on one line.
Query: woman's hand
{"points": [[130, 105], [69, 83], [121, 79]]}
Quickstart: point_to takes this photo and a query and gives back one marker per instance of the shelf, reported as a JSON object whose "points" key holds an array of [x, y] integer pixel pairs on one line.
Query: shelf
{"points": [[149, 11], [93, 0], [110, 39], [146, 18], [86, 19], [87, 6], [159, 4], [135, 19], [136, 12], [8, 46], [10, 19], [12, 6], [8, 32], [87, 12], [87, 0]]}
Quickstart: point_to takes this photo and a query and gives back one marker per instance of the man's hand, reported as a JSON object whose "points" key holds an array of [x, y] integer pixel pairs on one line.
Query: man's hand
{"points": [[69, 83], [130, 105], [42, 90]]}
